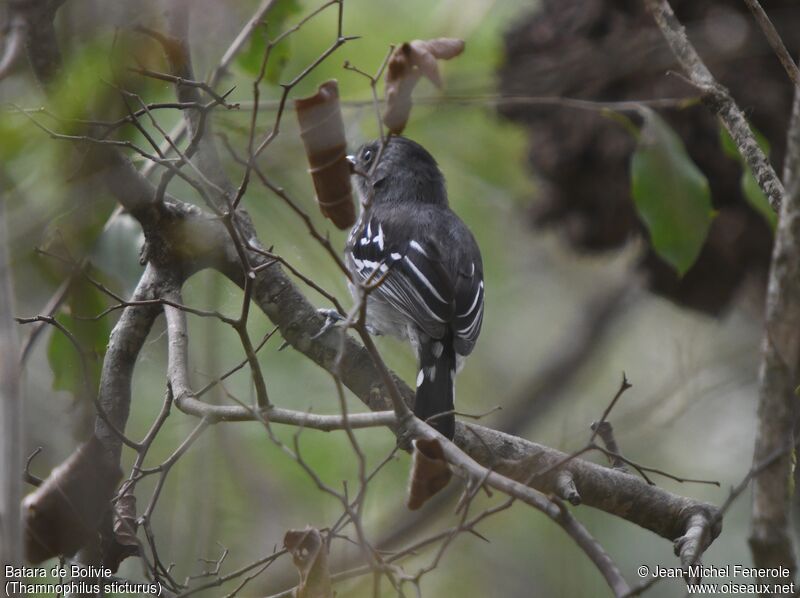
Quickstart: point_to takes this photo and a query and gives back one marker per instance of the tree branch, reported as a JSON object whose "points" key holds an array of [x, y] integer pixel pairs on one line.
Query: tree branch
{"points": [[770, 535], [126, 341]]}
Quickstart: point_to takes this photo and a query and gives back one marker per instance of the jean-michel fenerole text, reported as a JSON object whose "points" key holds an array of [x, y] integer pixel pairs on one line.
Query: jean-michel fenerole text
{"points": [[731, 571]]}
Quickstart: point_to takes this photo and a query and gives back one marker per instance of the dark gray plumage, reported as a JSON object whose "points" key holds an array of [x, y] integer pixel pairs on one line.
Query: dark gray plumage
{"points": [[432, 290]]}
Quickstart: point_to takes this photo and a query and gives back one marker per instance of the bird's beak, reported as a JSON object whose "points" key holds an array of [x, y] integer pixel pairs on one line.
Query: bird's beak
{"points": [[352, 160]]}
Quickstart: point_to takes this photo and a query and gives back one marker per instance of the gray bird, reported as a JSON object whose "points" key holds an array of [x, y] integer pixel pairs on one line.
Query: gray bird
{"points": [[431, 291]]}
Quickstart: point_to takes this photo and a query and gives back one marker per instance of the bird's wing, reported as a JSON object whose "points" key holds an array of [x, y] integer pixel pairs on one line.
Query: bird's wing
{"points": [[468, 313], [412, 275]]}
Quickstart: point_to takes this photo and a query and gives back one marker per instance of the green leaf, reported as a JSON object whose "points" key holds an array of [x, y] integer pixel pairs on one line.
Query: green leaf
{"points": [[756, 198], [91, 335], [670, 193], [250, 60], [752, 192], [64, 360], [116, 253]]}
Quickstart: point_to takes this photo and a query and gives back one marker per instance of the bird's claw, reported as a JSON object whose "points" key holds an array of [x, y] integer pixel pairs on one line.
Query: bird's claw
{"points": [[332, 318]]}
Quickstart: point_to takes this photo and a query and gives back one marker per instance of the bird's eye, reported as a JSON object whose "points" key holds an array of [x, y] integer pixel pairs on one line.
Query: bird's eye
{"points": [[367, 156]]}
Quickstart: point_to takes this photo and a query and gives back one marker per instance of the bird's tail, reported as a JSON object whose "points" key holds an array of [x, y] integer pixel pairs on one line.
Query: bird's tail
{"points": [[435, 384]]}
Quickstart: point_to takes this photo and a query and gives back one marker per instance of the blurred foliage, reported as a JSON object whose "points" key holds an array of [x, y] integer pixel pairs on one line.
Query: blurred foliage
{"points": [[80, 91]]}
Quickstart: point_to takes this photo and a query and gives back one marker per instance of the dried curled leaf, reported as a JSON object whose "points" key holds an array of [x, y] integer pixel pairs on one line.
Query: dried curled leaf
{"points": [[410, 61], [322, 131], [123, 542], [64, 513], [430, 472], [310, 555]]}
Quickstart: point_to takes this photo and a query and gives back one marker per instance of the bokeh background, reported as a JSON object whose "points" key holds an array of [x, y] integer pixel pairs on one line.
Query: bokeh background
{"points": [[691, 410]]}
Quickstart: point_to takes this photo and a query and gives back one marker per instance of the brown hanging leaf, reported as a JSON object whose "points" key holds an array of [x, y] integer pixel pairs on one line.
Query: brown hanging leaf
{"points": [[125, 523], [322, 131], [64, 513], [408, 62], [123, 542], [310, 556], [443, 48], [430, 472]]}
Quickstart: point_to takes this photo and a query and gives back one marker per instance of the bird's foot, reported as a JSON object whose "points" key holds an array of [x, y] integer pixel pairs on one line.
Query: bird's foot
{"points": [[332, 318]]}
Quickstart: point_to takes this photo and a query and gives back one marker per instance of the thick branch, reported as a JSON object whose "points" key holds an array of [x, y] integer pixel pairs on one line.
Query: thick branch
{"points": [[124, 345], [770, 535], [611, 490]]}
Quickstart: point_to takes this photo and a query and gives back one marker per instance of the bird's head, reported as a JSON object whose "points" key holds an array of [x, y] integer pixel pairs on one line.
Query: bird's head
{"points": [[405, 171]]}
